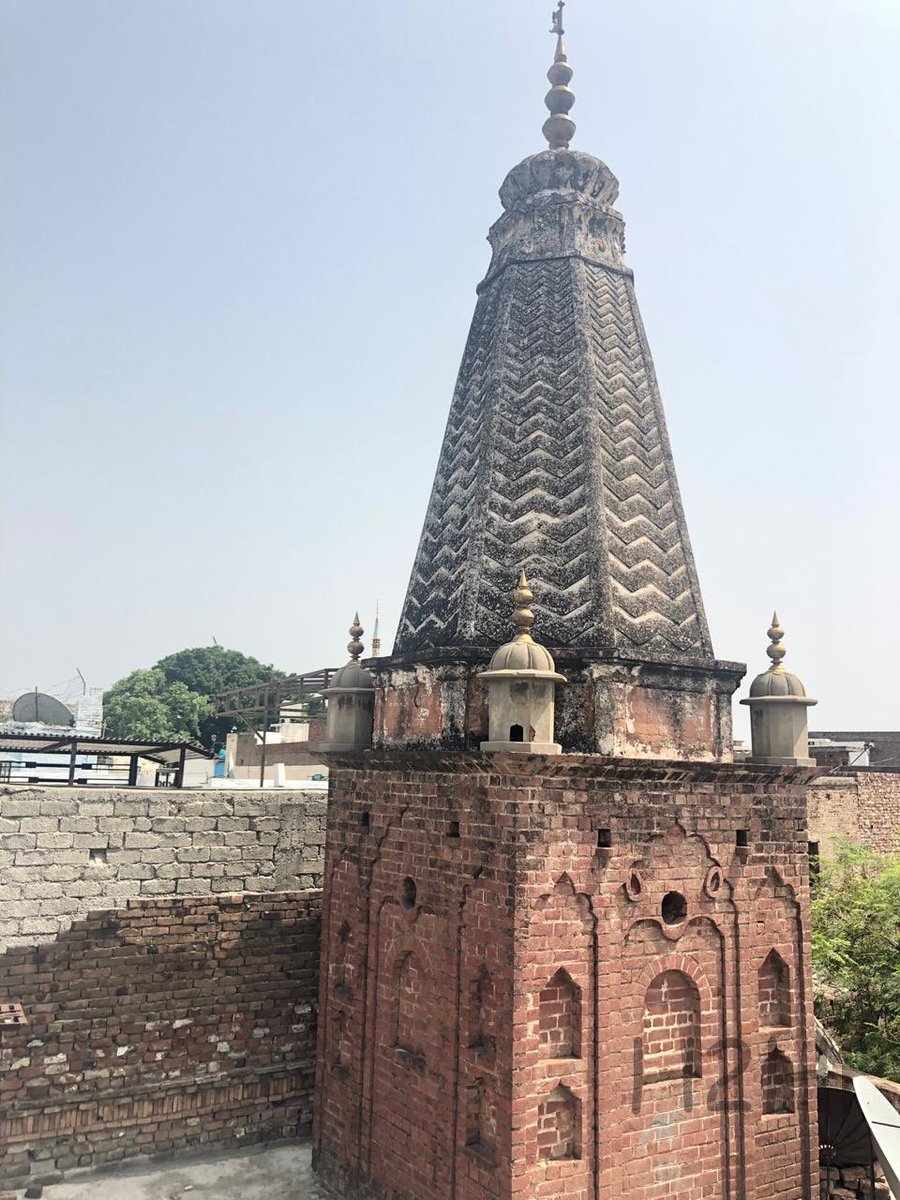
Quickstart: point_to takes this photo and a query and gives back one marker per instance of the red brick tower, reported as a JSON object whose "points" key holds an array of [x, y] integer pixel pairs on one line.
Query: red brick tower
{"points": [[565, 977], [583, 975]]}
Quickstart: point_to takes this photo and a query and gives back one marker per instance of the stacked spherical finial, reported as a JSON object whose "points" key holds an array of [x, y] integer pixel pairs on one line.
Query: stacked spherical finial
{"points": [[523, 653], [355, 646], [523, 617], [353, 674], [776, 681], [776, 651], [559, 128]]}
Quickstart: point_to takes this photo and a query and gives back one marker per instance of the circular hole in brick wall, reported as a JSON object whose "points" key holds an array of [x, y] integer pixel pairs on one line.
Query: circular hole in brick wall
{"points": [[408, 893], [674, 908]]}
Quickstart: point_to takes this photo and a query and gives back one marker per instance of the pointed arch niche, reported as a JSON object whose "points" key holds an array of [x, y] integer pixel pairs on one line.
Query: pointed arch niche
{"points": [[671, 1028], [409, 998], [482, 1014], [777, 1082], [481, 1118], [560, 1017], [559, 1125], [343, 965], [774, 984]]}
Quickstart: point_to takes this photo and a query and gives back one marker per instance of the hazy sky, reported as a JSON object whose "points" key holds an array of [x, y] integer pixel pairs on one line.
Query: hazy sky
{"points": [[240, 244]]}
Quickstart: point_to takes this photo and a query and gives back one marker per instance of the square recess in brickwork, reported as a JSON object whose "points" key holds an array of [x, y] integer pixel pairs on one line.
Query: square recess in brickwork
{"points": [[604, 840], [12, 1016]]}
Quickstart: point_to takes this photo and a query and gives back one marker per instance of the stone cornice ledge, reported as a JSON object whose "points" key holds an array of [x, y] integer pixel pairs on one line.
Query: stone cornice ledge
{"points": [[595, 767]]}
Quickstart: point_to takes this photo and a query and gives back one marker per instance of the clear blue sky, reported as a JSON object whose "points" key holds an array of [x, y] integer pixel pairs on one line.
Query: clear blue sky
{"points": [[240, 242]]}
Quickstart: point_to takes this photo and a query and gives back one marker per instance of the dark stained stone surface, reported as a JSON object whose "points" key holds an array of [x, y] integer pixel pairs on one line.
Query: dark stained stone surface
{"points": [[556, 456]]}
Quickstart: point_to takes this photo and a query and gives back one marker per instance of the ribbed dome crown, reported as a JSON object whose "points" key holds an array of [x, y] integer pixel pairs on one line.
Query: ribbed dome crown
{"points": [[776, 682], [522, 655]]}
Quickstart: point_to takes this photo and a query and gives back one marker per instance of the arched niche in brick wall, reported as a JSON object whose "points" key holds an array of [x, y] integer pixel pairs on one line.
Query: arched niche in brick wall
{"points": [[482, 1014], [481, 1118], [559, 1125], [409, 1001], [777, 1083], [560, 1017], [341, 968], [671, 1028], [340, 1039], [774, 991]]}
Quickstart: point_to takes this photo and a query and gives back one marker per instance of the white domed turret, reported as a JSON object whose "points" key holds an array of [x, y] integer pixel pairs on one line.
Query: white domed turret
{"points": [[521, 681], [778, 704]]}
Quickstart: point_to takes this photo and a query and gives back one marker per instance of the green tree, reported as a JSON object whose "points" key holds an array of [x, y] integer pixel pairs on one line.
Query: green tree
{"points": [[209, 670], [174, 699], [856, 956], [146, 707], [213, 669]]}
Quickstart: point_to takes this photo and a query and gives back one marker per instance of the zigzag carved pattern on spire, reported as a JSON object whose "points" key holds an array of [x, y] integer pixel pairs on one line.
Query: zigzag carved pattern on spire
{"points": [[519, 481], [655, 605], [435, 597]]}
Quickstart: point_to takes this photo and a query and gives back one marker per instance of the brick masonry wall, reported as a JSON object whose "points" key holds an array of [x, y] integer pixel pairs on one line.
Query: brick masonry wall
{"points": [[540, 972], [161, 1025], [859, 806], [65, 851]]}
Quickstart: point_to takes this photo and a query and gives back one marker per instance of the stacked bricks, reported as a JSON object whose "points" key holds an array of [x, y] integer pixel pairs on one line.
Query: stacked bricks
{"points": [[66, 851], [554, 977], [159, 1026]]}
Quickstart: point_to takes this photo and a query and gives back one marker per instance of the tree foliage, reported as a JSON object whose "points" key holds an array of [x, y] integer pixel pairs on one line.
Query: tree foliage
{"points": [[856, 956], [146, 707], [173, 700]]}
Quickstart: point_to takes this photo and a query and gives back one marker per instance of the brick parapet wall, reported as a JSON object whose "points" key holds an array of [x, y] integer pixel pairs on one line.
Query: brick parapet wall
{"points": [[164, 1024], [65, 851], [858, 806]]}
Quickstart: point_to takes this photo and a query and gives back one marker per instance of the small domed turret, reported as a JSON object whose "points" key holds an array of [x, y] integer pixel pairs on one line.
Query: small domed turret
{"points": [[521, 681], [778, 704], [351, 701]]}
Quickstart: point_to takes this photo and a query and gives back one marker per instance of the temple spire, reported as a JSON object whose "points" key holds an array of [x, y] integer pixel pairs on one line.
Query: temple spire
{"points": [[559, 128]]}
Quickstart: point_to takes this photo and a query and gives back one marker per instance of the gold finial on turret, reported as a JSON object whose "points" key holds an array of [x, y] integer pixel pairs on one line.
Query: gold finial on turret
{"points": [[355, 646], [523, 617], [777, 650], [559, 128]]}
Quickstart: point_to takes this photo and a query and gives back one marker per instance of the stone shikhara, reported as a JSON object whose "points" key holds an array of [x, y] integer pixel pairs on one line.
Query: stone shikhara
{"points": [[556, 454]]}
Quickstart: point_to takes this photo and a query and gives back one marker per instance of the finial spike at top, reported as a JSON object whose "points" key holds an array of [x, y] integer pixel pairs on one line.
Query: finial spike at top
{"points": [[559, 127], [523, 617], [776, 651], [355, 646]]}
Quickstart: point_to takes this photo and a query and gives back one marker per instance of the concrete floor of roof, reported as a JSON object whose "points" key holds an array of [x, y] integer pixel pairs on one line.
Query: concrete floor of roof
{"points": [[259, 1173]]}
